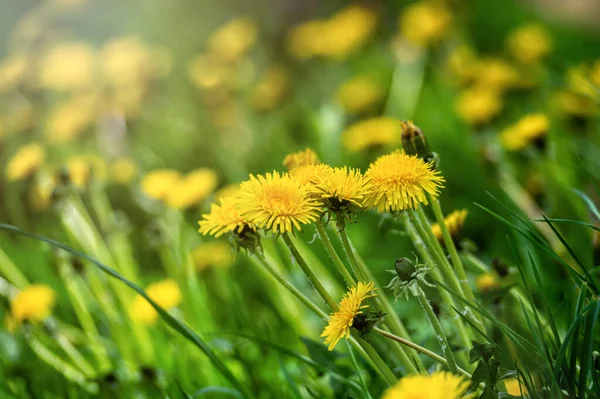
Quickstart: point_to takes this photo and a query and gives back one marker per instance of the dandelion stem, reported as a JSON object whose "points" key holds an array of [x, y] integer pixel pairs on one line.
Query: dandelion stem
{"points": [[309, 273], [420, 349], [384, 371], [337, 261], [439, 331]]}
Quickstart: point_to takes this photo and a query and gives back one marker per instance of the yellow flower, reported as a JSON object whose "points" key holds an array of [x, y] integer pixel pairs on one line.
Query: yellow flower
{"points": [[486, 282], [439, 385], [277, 202], [529, 43], [69, 66], [207, 71], [359, 94], [344, 187], [81, 167], [374, 132], [165, 293], [212, 254], [123, 170], [454, 223], [527, 130], [574, 104], [307, 39], [479, 105], [232, 40], [12, 71], [192, 188], [400, 181], [33, 304], [311, 176], [230, 190], [351, 305], [40, 194], [71, 118], [584, 80], [158, 183], [26, 160], [462, 63], [514, 387], [270, 89], [425, 22], [224, 218], [496, 73], [300, 158]]}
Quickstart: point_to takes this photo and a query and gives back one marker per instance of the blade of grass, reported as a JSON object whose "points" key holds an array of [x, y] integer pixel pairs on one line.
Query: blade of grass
{"points": [[363, 384], [289, 380], [587, 346]]}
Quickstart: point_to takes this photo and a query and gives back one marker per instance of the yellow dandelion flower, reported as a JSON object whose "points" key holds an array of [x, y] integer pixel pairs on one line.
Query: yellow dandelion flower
{"points": [[306, 40], [212, 254], [454, 223], [425, 22], [348, 30], [192, 188], [232, 40], [71, 118], [40, 194], [574, 104], [374, 132], [343, 187], [270, 89], [68, 66], [439, 385], [479, 105], [496, 73], [12, 71], [33, 304], [529, 43], [400, 181], [311, 175], [207, 71], [123, 170], [300, 158], [158, 183], [230, 190], [514, 387], [81, 167], [462, 63], [26, 160], [277, 202], [486, 282], [350, 306], [224, 218], [165, 293], [359, 94], [527, 130]]}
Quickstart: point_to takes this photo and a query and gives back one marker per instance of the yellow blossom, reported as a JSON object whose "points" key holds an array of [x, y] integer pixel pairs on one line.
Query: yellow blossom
{"points": [[439, 385], [307, 39], [277, 202], [40, 196], [344, 187], [12, 71], [462, 63], [165, 293], [232, 40], [529, 43], [206, 71], [454, 223], [300, 158], [212, 254], [486, 282], [33, 304], [71, 118], [479, 105], [158, 183], [359, 94], [123, 170], [496, 73], [527, 130], [270, 89], [230, 190], [350, 306], [374, 132], [311, 175], [68, 66], [574, 104], [400, 181], [81, 167], [25, 161], [514, 387], [192, 188], [425, 22], [223, 218]]}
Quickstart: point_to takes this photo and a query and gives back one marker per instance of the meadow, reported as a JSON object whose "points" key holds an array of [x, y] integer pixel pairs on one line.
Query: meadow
{"points": [[299, 199]]}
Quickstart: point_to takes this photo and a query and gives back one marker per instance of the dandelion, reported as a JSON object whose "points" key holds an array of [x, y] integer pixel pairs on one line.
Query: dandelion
{"points": [[224, 218], [479, 105], [342, 320], [165, 293], [77, 73], [26, 160], [425, 22], [311, 176], [400, 181], [370, 133], [439, 385], [212, 254], [192, 188], [359, 94], [344, 189], [230, 190], [486, 282], [71, 118], [33, 304], [527, 130], [158, 183], [574, 104], [462, 63], [303, 40], [270, 89], [529, 43], [123, 170], [496, 73], [300, 158], [232, 40], [81, 167], [454, 222], [277, 202]]}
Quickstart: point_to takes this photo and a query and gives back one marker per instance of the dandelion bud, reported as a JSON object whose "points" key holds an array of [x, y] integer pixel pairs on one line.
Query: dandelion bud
{"points": [[413, 140], [405, 269]]}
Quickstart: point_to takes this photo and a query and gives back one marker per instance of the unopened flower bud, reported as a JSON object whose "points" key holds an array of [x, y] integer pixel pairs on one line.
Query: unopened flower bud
{"points": [[413, 140], [405, 269]]}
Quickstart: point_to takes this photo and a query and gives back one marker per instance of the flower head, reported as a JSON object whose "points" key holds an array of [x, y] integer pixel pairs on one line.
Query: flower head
{"points": [[123, 170], [300, 158], [374, 132], [350, 306], [496, 73], [454, 223], [33, 304], [486, 282], [192, 188], [277, 202], [232, 40], [82, 167], [425, 22], [25, 161], [400, 181], [439, 385], [70, 119], [526, 131], [311, 176], [158, 183], [343, 189], [76, 73], [165, 293], [359, 94], [529, 43], [224, 218], [270, 89], [478, 105]]}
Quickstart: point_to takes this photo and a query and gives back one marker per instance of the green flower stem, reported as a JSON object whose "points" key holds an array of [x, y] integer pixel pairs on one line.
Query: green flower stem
{"points": [[11, 272], [337, 261], [381, 303], [439, 331], [384, 371], [309, 273], [456, 262], [420, 349]]}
